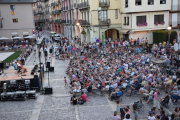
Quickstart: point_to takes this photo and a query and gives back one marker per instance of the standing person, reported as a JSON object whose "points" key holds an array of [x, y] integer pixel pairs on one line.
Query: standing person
{"points": [[65, 81], [135, 112], [7, 65], [156, 100], [116, 116], [146, 41], [119, 106]]}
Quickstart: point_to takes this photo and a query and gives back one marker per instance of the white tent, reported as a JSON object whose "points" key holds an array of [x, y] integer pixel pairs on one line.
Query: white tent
{"points": [[31, 37], [5, 38], [17, 37]]}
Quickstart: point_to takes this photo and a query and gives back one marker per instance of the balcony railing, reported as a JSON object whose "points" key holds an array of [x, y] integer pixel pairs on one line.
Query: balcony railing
{"points": [[105, 22], [66, 7], [52, 4], [58, 11], [64, 21], [40, 12], [104, 3], [40, 0], [58, 21], [84, 23], [39, 6], [52, 21], [174, 24], [75, 5], [69, 8]]}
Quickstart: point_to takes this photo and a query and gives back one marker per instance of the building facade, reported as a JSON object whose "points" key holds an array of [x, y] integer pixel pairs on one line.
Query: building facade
{"points": [[56, 16], [16, 18], [67, 21], [141, 17], [96, 18]]}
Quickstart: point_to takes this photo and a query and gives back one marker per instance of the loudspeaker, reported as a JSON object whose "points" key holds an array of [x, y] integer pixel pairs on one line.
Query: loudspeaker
{"points": [[48, 90], [48, 65], [35, 76], [50, 50], [45, 53], [51, 69]]}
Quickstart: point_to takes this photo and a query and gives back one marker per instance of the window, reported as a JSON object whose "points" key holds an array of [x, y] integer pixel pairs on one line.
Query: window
{"points": [[124, 19], [12, 6], [158, 19], [127, 20], [15, 20], [150, 2], [102, 15], [137, 2], [162, 1], [141, 19], [126, 3], [116, 14]]}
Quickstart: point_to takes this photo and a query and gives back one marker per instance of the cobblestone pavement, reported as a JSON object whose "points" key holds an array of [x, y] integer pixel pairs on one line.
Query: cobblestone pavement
{"points": [[57, 106]]}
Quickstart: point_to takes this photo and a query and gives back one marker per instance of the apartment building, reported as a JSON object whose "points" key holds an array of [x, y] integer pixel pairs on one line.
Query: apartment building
{"points": [[16, 18], [39, 13], [56, 16], [93, 19], [67, 14], [141, 17], [174, 17]]}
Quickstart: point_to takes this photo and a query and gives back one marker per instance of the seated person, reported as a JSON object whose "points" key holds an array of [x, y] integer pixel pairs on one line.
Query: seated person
{"points": [[135, 86], [82, 98], [176, 95], [116, 94], [74, 100]]}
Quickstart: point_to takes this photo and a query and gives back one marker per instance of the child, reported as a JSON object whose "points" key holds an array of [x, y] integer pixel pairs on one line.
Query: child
{"points": [[65, 82], [7, 65]]}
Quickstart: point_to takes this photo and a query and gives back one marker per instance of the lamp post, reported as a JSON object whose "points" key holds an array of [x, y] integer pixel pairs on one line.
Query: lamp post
{"points": [[99, 9], [169, 29]]}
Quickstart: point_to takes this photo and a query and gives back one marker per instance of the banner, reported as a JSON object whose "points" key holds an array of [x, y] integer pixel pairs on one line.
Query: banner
{"points": [[12, 12]]}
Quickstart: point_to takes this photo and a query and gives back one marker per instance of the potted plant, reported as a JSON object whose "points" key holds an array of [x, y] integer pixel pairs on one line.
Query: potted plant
{"points": [[124, 24], [156, 23], [162, 23], [83, 32]]}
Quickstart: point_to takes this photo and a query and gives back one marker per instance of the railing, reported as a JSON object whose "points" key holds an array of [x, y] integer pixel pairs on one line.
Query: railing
{"points": [[52, 4], [175, 8], [64, 21], [84, 23], [69, 8], [104, 3], [105, 22], [52, 21], [75, 5], [57, 21], [39, 12], [39, 6], [58, 11], [66, 7], [174, 24]]}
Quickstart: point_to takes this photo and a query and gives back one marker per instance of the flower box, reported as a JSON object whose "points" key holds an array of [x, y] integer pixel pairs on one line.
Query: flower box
{"points": [[142, 24]]}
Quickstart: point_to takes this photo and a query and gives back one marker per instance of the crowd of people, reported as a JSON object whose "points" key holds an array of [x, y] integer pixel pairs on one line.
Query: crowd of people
{"points": [[118, 66]]}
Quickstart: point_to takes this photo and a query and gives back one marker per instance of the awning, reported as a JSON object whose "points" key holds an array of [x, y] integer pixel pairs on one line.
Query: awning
{"points": [[14, 33], [25, 33], [123, 31]]}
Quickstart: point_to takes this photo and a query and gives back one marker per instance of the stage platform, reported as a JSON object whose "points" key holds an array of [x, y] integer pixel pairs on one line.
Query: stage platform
{"points": [[11, 74]]}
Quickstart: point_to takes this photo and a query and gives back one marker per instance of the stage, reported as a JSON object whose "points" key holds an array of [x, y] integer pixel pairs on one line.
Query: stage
{"points": [[11, 74]]}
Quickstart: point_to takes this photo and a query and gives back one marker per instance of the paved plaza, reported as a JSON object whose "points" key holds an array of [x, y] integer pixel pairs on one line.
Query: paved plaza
{"points": [[57, 106]]}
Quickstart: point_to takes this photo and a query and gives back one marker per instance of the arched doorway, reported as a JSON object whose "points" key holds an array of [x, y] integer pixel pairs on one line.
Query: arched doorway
{"points": [[88, 36], [112, 33]]}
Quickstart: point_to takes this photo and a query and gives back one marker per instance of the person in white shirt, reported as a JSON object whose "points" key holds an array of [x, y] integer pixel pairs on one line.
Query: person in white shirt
{"points": [[151, 117]]}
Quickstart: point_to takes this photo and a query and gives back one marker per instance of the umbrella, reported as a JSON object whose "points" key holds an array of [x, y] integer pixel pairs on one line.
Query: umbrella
{"points": [[17, 37], [5, 38], [30, 37]]}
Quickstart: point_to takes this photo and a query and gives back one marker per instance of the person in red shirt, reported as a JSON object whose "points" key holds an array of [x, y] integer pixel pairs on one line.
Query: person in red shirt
{"points": [[82, 98]]}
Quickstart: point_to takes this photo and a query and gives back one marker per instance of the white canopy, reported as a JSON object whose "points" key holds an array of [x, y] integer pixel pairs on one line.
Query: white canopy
{"points": [[31, 37], [17, 37]]}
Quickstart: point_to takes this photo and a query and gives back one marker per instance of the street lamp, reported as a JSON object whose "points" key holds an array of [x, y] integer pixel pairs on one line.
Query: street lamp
{"points": [[99, 11], [169, 29], [77, 24]]}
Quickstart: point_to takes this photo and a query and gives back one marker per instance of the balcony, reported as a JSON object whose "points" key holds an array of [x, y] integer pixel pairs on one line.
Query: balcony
{"points": [[64, 21], [39, 6], [71, 7], [58, 21], [52, 4], [84, 23], [75, 5], [40, 12], [40, 20], [104, 3], [52, 21], [58, 11], [175, 8], [66, 7], [105, 22]]}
